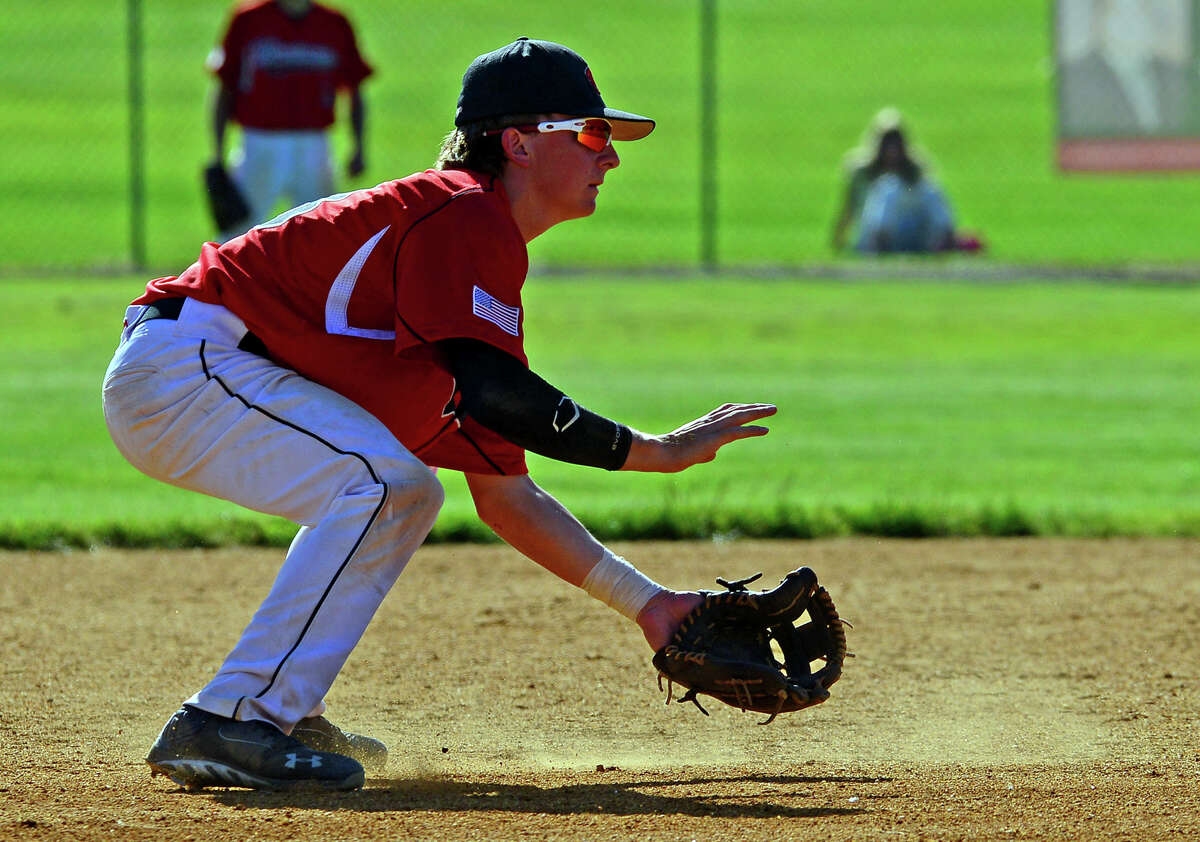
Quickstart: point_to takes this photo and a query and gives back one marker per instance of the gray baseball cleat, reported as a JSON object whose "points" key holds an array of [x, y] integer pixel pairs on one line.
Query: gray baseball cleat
{"points": [[319, 734], [198, 749]]}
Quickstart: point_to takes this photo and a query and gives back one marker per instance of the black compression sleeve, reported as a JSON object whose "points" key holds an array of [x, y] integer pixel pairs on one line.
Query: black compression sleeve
{"points": [[506, 397]]}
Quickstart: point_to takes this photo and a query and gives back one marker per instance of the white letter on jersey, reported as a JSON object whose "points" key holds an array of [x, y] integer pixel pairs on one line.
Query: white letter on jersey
{"points": [[336, 320]]}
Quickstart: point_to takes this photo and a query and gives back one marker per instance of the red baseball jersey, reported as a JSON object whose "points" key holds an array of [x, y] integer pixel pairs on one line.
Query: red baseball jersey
{"points": [[353, 291], [286, 72]]}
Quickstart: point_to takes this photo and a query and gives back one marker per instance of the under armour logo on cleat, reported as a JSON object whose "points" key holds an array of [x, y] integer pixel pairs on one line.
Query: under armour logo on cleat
{"points": [[312, 760]]}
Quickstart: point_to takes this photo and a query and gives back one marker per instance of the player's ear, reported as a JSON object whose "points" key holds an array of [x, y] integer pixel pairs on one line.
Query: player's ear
{"points": [[515, 147]]}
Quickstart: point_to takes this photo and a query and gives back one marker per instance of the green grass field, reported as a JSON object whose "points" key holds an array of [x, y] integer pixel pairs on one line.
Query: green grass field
{"points": [[905, 407], [797, 83]]}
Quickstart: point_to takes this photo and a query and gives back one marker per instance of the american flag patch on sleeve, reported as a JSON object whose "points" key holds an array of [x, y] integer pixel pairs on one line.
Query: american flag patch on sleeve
{"points": [[501, 315]]}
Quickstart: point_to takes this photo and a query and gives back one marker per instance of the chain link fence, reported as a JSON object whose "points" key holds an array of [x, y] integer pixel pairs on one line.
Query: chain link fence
{"points": [[108, 119]]}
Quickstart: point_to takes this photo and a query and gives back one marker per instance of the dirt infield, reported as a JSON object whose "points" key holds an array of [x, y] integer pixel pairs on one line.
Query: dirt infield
{"points": [[1009, 689]]}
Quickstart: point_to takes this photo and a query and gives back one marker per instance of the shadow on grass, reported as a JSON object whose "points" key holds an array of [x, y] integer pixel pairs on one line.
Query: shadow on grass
{"points": [[619, 797]]}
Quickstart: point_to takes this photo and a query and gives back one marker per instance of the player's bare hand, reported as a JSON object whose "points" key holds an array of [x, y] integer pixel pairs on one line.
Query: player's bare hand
{"points": [[663, 614], [697, 441], [356, 165]]}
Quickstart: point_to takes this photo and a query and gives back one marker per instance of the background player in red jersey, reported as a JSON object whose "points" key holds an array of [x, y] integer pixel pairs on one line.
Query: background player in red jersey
{"points": [[280, 66], [317, 366]]}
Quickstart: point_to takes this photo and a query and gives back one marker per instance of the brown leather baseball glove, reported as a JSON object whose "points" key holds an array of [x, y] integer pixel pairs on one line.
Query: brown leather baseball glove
{"points": [[724, 649]]}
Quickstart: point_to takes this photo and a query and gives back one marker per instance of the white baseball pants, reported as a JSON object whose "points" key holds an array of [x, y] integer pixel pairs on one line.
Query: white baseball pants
{"points": [[185, 406], [273, 165]]}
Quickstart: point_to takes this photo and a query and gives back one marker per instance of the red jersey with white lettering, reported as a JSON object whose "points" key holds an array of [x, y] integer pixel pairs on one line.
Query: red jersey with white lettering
{"points": [[353, 291], [286, 72]]}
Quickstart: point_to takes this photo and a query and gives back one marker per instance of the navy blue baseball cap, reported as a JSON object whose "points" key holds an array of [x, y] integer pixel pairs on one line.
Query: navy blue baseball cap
{"points": [[539, 77]]}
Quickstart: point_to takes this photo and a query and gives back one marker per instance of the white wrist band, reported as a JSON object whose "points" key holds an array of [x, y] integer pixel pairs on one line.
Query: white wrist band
{"points": [[620, 585]]}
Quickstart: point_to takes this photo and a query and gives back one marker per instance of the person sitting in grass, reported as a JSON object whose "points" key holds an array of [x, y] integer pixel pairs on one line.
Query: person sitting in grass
{"points": [[891, 201]]}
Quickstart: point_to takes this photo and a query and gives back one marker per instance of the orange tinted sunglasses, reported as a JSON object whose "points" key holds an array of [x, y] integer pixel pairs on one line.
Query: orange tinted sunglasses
{"points": [[594, 133]]}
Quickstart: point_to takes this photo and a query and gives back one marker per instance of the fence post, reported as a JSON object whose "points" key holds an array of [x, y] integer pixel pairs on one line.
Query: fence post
{"points": [[708, 135], [137, 116]]}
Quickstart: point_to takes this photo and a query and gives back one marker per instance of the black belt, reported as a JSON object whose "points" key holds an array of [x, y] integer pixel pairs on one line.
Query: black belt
{"points": [[170, 308]]}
